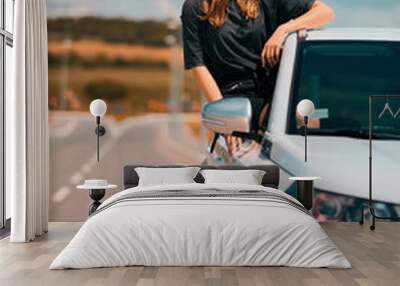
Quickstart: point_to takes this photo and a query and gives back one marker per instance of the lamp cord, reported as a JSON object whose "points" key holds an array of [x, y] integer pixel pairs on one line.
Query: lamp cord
{"points": [[98, 137], [98, 143], [305, 137]]}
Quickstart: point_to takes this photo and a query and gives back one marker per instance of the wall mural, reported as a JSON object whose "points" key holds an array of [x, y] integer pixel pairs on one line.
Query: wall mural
{"points": [[130, 54]]}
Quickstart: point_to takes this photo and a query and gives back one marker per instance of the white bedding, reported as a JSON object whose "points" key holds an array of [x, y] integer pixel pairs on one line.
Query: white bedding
{"points": [[200, 231]]}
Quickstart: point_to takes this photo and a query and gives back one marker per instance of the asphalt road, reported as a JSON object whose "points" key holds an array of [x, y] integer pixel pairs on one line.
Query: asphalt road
{"points": [[151, 139]]}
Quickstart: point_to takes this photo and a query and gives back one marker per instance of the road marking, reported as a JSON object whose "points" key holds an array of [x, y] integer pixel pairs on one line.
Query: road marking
{"points": [[117, 130], [61, 194], [63, 130], [76, 179], [85, 168]]}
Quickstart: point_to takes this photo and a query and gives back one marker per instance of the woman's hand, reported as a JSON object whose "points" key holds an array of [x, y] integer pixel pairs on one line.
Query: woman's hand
{"points": [[233, 143], [272, 50]]}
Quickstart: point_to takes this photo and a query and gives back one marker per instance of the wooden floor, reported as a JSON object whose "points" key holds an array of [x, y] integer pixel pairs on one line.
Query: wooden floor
{"points": [[375, 257]]}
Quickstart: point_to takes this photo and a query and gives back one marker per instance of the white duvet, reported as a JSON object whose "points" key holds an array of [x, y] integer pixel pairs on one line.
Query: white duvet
{"points": [[202, 231]]}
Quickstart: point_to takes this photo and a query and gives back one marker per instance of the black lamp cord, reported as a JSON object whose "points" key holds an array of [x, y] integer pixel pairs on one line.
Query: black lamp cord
{"points": [[98, 137], [305, 137]]}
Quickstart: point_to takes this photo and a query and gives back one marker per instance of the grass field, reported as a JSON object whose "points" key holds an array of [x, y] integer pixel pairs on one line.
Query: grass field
{"points": [[143, 86], [91, 49]]}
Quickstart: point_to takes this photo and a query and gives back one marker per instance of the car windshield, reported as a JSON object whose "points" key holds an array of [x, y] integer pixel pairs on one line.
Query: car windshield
{"points": [[339, 77]]}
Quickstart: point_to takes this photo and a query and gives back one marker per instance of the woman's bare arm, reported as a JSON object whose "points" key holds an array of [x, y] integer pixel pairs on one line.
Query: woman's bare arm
{"points": [[319, 15], [211, 91], [207, 83]]}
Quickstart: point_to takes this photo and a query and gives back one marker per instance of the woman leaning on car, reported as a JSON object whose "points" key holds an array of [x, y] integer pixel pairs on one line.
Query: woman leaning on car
{"points": [[233, 47]]}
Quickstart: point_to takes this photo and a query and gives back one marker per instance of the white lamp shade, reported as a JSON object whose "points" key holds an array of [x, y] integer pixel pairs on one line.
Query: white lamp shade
{"points": [[98, 107], [305, 107]]}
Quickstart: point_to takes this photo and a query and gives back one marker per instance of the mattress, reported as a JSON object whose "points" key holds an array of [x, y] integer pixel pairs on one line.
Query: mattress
{"points": [[201, 225]]}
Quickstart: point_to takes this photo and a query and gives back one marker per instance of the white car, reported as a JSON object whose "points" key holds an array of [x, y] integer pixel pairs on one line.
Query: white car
{"points": [[337, 69]]}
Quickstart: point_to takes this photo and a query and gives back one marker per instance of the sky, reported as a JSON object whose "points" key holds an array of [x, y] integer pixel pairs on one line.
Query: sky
{"points": [[349, 13]]}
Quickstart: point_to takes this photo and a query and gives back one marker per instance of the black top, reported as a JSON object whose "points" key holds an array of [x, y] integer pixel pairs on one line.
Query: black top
{"points": [[233, 51]]}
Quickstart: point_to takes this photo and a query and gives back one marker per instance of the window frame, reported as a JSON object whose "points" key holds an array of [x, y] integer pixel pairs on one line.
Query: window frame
{"points": [[294, 87], [6, 39]]}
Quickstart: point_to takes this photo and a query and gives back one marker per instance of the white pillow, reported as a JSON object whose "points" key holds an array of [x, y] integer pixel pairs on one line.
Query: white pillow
{"points": [[166, 176], [248, 177]]}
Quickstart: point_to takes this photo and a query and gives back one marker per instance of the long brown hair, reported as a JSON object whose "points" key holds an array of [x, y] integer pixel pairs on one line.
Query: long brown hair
{"points": [[214, 10]]}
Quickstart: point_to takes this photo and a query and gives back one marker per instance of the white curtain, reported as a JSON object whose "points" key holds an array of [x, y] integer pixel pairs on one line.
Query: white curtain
{"points": [[27, 140]]}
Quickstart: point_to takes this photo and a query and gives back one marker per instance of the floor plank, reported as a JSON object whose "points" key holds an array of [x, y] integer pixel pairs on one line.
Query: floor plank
{"points": [[375, 257]]}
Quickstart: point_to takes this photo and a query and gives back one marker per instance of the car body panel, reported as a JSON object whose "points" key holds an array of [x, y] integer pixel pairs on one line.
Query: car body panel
{"points": [[341, 162]]}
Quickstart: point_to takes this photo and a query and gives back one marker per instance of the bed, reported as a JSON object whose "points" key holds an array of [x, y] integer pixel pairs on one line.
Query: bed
{"points": [[198, 224]]}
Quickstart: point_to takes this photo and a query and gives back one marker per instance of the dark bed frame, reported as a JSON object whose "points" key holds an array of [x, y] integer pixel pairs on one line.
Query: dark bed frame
{"points": [[271, 177]]}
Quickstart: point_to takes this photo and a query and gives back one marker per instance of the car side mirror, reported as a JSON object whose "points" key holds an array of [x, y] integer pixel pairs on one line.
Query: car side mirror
{"points": [[229, 116]]}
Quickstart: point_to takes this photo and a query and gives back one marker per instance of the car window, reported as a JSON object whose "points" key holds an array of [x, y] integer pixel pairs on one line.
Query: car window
{"points": [[339, 77]]}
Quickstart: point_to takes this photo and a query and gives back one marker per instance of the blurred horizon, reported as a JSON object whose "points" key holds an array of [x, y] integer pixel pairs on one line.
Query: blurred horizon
{"points": [[355, 13]]}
